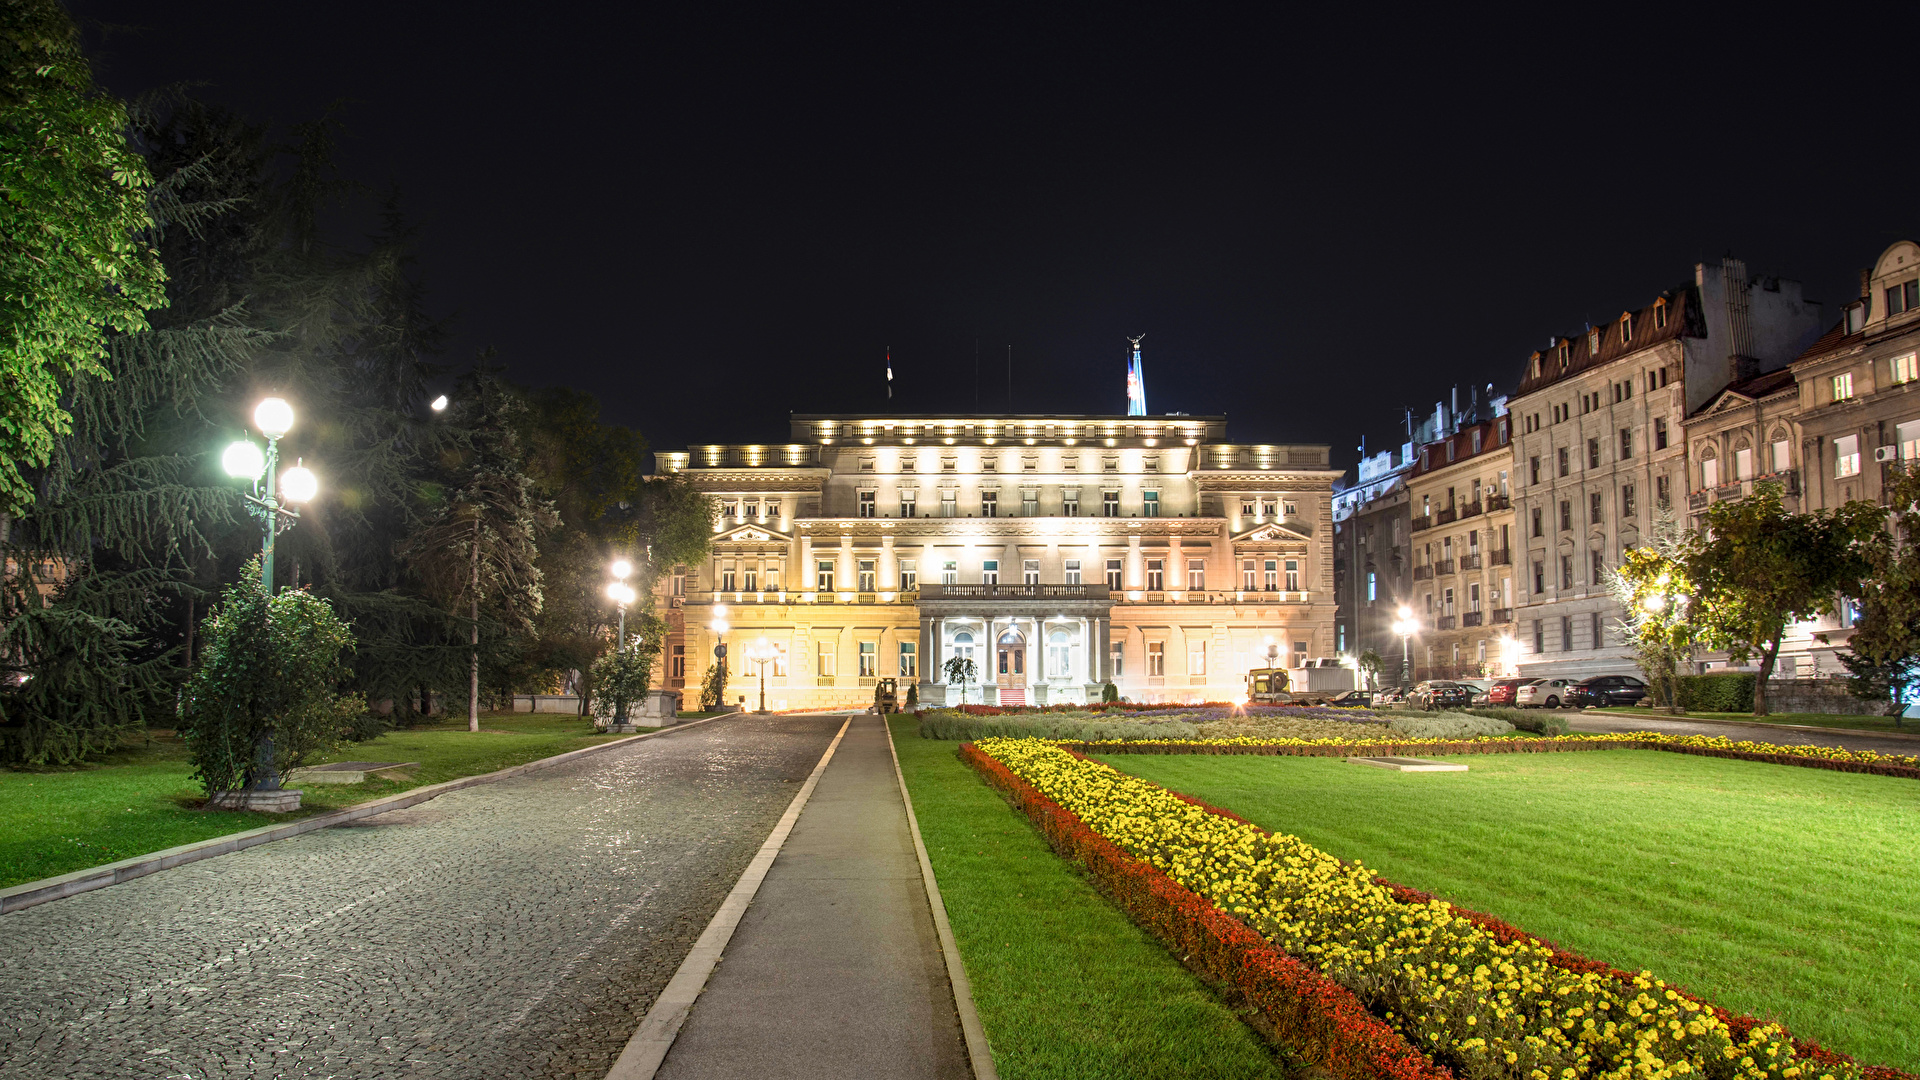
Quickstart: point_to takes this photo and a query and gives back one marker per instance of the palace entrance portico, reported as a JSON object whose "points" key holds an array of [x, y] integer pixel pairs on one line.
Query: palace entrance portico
{"points": [[1030, 644]]}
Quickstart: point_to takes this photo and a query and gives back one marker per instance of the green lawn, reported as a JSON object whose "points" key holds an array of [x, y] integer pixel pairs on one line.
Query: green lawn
{"points": [[1066, 986], [143, 798], [1858, 723], [1781, 892]]}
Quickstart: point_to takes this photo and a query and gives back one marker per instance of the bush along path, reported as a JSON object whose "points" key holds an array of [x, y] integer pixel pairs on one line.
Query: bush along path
{"points": [[1369, 978]]}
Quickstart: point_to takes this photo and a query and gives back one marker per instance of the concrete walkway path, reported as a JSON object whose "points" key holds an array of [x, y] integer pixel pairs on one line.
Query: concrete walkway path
{"points": [[835, 971]]}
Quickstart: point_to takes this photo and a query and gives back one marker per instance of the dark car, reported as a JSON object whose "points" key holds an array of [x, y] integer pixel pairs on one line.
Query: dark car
{"points": [[1503, 691], [1439, 694], [1351, 699], [1606, 690]]}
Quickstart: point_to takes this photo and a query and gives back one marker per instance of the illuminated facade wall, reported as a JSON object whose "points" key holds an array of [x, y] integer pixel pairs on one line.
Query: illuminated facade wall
{"points": [[1056, 547]]}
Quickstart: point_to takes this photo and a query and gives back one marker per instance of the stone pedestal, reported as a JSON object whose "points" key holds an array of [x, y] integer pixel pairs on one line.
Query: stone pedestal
{"points": [[277, 801], [622, 729]]}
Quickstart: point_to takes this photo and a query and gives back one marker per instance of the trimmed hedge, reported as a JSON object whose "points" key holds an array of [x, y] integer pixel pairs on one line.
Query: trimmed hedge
{"points": [[961, 727], [1728, 692], [1447, 726], [1538, 721]]}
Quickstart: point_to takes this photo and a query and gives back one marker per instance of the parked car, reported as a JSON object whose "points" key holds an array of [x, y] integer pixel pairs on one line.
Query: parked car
{"points": [[1439, 694], [1392, 695], [1543, 694], [1503, 690], [1351, 699], [1606, 690], [1478, 688]]}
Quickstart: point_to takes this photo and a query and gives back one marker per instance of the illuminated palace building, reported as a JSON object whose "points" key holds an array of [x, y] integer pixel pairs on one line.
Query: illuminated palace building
{"points": [[1057, 553]]}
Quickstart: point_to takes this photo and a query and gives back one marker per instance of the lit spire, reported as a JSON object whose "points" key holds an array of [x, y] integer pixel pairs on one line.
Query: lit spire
{"points": [[1136, 382]]}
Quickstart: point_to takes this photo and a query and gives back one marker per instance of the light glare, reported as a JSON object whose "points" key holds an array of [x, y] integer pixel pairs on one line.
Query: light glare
{"points": [[274, 417], [622, 568], [299, 484], [244, 461], [440, 403]]}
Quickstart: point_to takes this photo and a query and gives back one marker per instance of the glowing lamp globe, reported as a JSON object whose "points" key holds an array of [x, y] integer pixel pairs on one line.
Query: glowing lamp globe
{"points": [[619, 593], [243, 461], [440, 403], [299, 484], [274, 417], [621, 568]]}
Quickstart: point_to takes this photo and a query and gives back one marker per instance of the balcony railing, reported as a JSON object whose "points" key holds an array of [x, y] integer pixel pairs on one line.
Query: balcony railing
{"points": [[1502, 615], [1498, 502], [1503, 557], [1470, 562], [1014, 592], [1729, 492], [1445, 516], [1423, 573], [1444, 566], [1444, 622], [1471, 509], [1422, 523], [1698, 500], [1471, 618]]}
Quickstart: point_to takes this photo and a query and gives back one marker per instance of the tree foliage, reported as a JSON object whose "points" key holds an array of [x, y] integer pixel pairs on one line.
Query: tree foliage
{"points": [[1884, 656], [75, 261], [1757, 568], [622, 675], [273, 666], [1653, 586], [713, 691]]}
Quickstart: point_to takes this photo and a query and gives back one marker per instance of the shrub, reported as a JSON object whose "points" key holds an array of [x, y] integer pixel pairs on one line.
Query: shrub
{"points": [[365, 726], [913, 694], [1537, 721], [620, 678], [1109, 694], [272, 667], [1447, 726], [965, 727], [72, 684], [1728, 692]]}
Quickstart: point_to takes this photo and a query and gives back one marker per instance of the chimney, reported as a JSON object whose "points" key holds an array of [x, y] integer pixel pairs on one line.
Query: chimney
{"points": [[1453, 408], [1866, 282], [1741, 362]]}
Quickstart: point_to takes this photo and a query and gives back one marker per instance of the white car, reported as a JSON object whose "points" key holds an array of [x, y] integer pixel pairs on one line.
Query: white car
{"points": [[1543, 693], [1479, 688]]}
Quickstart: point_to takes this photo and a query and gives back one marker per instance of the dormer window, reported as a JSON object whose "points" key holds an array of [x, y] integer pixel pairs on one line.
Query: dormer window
{"points": [[1593, 343], [1903, 298], [1856, 316], [1476, 440], [1626, 328], [1660, 314], [1535, 358], [1566, 353]]}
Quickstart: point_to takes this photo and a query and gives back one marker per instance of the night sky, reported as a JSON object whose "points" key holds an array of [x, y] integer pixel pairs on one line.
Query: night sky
{"points": [[714, 217]]}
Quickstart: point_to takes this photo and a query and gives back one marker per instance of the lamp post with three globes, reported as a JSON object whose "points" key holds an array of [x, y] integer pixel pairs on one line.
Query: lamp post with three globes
{"points": [[621, 594]]}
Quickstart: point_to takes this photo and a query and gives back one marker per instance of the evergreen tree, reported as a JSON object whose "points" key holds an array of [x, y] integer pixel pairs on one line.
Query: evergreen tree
{"points": [[481, 542], [1884, 653]]}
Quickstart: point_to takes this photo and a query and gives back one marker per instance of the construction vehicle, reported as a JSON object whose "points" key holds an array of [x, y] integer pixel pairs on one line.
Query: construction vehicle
{"points": [[1315, 684], [1268, 686], [885, 700]]}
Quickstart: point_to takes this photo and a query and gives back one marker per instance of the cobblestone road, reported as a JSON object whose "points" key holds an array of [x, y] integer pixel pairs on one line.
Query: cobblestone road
{"points": [[515, 929]]}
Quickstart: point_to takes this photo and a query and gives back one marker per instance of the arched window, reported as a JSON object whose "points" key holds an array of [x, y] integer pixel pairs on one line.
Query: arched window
{"points": [[1709, 467], [963, 645], [1743, 459], [1059, 654]]}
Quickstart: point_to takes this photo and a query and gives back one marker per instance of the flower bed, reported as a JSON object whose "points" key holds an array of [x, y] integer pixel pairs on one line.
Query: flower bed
{"points": [[1477, 995], [1834, 758]]}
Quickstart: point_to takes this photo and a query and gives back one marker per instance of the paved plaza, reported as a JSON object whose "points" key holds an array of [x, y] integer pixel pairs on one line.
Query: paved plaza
{"points": [[513, 929]]}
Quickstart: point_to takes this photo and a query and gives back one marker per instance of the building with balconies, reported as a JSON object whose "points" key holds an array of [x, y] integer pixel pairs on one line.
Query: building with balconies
{"points": [[1058, 553], [1461, 498], [1599, 445]]}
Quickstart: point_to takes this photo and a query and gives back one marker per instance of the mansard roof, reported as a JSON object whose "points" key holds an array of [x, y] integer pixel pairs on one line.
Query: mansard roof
{"points": [[1682, 319]]}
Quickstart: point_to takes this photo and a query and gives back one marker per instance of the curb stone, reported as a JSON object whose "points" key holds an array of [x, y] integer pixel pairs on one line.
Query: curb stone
{"points": [[1914, 736], [30, 893], [979, 1053]]}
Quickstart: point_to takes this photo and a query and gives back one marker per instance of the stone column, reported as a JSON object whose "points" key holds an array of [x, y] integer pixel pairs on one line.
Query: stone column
{"points": [[802, 579], [889, 567], [923, 652], [1136, 564], [843, 575]]}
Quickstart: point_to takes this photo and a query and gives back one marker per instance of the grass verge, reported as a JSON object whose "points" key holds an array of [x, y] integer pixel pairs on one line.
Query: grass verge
{"points": [[1066, 986], [1783, 893], [1827, 720], [143, 798]]}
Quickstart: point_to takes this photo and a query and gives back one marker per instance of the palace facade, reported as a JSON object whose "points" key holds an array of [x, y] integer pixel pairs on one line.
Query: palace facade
{"points": [[1057, 553]]}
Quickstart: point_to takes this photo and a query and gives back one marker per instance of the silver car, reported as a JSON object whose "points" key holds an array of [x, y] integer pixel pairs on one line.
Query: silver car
{"points": [[1543, 693]]}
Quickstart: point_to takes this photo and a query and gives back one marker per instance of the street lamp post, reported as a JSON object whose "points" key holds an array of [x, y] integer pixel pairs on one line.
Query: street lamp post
{"points": [[1405, 625], [718, 624], [243, 461], [762, 654], [621, 594]]}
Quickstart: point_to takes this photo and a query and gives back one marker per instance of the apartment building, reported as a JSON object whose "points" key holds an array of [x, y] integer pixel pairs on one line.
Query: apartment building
{"points": [[1461, 497], [1058, 553], [1828, 430], [1599, 445]]}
